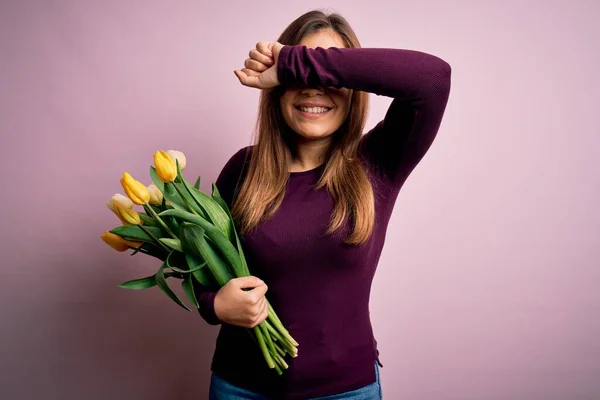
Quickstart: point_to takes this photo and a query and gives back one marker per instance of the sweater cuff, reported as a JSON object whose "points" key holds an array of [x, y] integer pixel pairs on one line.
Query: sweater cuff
{"points": [[206, 302], [284, 73]]}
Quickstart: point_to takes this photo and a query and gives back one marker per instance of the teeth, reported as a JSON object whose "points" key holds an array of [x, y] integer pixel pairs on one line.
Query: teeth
{"points": [[314, 110]]}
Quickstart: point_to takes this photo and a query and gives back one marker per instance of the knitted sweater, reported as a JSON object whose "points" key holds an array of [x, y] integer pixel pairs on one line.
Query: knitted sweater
{"points": [[318, 286]]}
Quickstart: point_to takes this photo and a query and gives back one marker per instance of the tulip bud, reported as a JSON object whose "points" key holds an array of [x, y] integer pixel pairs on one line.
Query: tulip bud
{"points": [[177, 155], [135, 190], [117, 242], [156, 196], [128, 215], [165, 166], [120, 199]]}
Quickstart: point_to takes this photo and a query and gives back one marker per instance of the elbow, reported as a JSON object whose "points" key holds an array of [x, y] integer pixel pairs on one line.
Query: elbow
{"points": [[441, 79], [444, 76]]}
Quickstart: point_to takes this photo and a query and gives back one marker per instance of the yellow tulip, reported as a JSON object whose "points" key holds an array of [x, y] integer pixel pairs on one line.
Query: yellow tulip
{"points": [[118, 198], [135, 190], [156, 196], [117, 242], [177, 155], [128, 215], [165, 166]]}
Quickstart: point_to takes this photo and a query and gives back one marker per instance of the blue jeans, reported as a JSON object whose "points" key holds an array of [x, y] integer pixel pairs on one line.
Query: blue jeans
{"points": [[223, 390]]}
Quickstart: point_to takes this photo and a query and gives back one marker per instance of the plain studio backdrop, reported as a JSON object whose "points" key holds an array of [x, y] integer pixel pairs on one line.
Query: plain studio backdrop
{"points": [[487, 288]]}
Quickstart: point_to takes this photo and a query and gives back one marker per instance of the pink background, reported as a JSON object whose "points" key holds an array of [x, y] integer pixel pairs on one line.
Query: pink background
{"points": [[487, 287]]}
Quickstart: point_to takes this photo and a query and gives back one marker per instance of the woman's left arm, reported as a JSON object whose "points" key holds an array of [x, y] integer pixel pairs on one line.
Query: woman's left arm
{"points": [[418, 82]]}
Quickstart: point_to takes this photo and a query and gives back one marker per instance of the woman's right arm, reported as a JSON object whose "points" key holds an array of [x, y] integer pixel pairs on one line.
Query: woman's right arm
{"points": [[240, 302]]}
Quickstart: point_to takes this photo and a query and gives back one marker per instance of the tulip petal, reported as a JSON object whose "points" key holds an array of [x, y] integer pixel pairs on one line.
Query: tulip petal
{"points": [[135, 190], [165, 167], [154, 175]]}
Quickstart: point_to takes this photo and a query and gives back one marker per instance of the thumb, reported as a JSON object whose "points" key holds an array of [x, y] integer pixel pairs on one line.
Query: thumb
{"points": [[249, 282]]}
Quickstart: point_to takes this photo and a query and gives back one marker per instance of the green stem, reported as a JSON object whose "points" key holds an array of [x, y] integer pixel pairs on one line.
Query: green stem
{"points": [[279, 325], [280, 351], [187, 203], [161, 244], [161, 222], [268, 339], [263, 347], [282, 362], [284, 342]]}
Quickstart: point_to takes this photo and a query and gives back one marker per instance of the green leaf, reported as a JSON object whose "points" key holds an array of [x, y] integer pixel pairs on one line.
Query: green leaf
{"points": [[193, 204], [211, 210], [188, 289], [188, 271], [134, 232], [172, 223], [170, 193], [232, 233], [148, 220], [197, 184], [217, 197], [154, 175], [202, 275], [151, 249], [193, 242], [215, 191], [143, 283], [168, 261], [175, 244], [162, 284], [216, 236], [183, 257], [139, 284]]}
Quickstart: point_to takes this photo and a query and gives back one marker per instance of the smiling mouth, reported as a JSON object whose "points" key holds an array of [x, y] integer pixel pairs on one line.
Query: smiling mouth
{"points": [[314, 110]]}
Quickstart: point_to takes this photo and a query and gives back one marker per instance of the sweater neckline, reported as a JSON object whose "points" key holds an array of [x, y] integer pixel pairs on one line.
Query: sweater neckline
{"points": [[307, 172]]}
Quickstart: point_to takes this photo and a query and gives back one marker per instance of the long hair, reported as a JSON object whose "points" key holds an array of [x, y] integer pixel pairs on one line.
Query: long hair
{"points": [[345, 175]]}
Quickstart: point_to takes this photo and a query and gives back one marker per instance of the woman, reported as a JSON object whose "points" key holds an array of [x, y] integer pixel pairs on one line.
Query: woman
{"points": [[312, 200]]}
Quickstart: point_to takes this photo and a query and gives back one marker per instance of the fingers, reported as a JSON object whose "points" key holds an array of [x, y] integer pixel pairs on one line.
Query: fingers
{"points": [[265, 47], [265, 313], [247, 282], [256, 295], [259, 71], [250, 72], [261, 315], [255, 65], [260, 58]]}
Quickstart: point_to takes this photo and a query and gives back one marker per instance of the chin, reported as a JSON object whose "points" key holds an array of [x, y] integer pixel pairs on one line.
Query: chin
{"points": [[312, 134]]}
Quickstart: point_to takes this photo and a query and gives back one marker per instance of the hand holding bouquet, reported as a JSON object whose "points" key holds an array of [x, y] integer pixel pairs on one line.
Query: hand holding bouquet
{"points": [[194, 236]]}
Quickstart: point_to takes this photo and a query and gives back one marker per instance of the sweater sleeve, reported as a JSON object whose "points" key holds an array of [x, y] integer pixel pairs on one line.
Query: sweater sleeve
{"points": [[419, 84], [206, 301]]}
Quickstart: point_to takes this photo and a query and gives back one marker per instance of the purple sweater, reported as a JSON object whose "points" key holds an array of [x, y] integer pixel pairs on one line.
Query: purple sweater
{"points": [[318, 286]]}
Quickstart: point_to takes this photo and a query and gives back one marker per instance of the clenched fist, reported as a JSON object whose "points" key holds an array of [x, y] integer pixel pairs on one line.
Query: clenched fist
{"points": [[261, 67], [245, 308]]}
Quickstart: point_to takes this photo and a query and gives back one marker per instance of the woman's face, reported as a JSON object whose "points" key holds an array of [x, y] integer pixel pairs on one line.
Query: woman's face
{"points": [[315, 122]]}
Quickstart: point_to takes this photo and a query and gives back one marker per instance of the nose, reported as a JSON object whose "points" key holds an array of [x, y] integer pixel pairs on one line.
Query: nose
{"points": [[313, 90]]}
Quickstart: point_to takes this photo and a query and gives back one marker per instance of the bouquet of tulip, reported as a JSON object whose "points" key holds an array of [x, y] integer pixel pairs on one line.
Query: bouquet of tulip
{"points": [[194, 236]]}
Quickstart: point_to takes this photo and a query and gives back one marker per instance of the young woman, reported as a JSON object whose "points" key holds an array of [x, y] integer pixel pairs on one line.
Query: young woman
{"points": [[312, 199]]}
